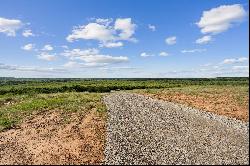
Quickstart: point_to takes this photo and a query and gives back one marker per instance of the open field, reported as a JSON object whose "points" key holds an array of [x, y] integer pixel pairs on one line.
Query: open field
{"points": [[230, 101], [53, 128], [69, 116]]}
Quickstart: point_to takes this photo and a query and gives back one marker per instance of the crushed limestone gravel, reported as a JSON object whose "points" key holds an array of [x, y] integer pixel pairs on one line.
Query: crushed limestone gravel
{"points": [[142, 130]]}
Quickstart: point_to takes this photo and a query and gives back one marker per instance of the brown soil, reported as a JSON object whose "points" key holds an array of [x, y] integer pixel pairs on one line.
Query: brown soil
{"points": [[222, 104], [48, 139]]}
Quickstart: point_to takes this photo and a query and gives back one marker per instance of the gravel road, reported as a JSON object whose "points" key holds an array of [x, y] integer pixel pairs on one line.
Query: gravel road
{"points": [[142, 130]]}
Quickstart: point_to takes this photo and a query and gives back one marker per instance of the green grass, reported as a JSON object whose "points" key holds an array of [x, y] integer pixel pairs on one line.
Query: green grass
{"points": [[197, 89], [26, 105], [100, 86], [20, 98]]}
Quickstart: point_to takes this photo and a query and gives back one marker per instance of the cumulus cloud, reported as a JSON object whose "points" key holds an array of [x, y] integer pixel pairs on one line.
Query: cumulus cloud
{"points": [[152, 27], [47, 47], [204, 40], [27, 33], [106, 34], [111, 44], [220, 19], [105, 22], [92, 31], [163, 53], [171, 40], [126, 27], [9, 26], [235, 60], [144, 54], [46, 56], [193, 50], [28, 47], [92, 56]]}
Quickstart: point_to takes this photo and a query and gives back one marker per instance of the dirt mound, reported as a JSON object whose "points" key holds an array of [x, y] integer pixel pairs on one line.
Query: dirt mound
{"points": [[48, 139]]}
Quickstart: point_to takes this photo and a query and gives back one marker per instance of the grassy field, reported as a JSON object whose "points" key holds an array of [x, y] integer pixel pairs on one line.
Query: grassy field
{"points": [[34, 86], [14, 108], [20, 98], [68, 115]]}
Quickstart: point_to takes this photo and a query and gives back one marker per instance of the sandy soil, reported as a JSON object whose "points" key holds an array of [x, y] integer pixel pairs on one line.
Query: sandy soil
{"points": [[218, 104], [47, 139]]}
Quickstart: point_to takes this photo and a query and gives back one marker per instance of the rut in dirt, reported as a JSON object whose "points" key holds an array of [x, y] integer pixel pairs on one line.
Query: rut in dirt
{"points": [[141, 130]]}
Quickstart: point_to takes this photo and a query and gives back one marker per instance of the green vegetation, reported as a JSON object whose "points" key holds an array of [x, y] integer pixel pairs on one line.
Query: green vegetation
{"points": [[34, 86], [20, 98], [14, 109], [228, 100]]}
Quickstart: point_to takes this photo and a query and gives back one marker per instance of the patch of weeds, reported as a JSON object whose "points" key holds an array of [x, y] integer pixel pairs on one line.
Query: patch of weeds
{"points": [[66, 102]]}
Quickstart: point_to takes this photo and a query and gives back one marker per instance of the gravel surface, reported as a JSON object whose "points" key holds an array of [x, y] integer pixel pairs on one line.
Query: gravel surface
{"points": [[142, 130]]}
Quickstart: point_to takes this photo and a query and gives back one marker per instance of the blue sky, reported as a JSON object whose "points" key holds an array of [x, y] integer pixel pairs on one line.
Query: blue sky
{"points": [[126, 38]]}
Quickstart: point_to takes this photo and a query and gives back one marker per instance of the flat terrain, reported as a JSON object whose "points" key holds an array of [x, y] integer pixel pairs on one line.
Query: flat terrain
{"points": [[64, 121], [230, 101], [142, 130], [66, 128]]}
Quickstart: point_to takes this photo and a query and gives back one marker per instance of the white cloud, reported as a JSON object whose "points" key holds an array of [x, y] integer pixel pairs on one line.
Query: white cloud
{"points": [[103, 59], [9, 26], [47, 47], [28, 47], [240, 68], [106, 34], [91, 31], [78, 52], [152, 27], [144, 54], [71, 64], [204, 40], [171, 40], [46, 56], [124, 68], [193, 50], [29, 68], [92, 56], [65, 46], [111, 44], [243, 59], [126, 27], [235, 60], [206, 65], [27, 33], [105, 22], [163, 53], [220, 19]]}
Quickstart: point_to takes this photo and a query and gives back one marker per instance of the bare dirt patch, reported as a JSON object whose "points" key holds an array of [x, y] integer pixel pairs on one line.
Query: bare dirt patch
{"points": [[230, 101], [218, 103], [49, 139]]}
